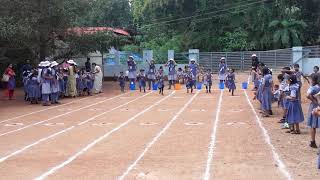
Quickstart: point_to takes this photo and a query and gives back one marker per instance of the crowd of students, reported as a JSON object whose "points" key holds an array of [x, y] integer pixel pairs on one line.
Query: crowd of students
{"points": [[190, 76], [287, 94], [50, 81]]}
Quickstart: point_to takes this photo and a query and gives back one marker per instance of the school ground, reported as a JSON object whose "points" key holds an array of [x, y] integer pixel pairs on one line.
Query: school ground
{"points": [[149, 136]]}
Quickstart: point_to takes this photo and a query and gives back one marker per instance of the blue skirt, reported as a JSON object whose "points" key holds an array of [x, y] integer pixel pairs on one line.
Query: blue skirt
{"points": [[295, 113], [132, 75], [34, 91], [11, 83], [266, 99], [259, 93], [142, 83], [313, 121], [232, 85], [190, 84]]}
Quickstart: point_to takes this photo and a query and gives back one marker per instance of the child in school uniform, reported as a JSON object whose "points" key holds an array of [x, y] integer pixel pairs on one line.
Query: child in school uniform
{"points": [[151, 73], [208, 80], [79, 82], [180, 76], [222, 70], [189, 78], [55, 86], [25, 79], [88, 78], [142, 78], [172, 75], [266, 88], [313, 121], [33, 87], [276, 94], [231, 81], [122, 81], [46, 78], [299, 74], [160, 78], [295, 114]]}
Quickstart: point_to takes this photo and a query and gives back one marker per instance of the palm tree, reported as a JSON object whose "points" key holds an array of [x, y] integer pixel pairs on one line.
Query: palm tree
{"points": [[287, 33]]}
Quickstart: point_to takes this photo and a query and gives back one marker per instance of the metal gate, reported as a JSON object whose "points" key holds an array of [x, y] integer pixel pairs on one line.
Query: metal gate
{"points": [[275, 59]]}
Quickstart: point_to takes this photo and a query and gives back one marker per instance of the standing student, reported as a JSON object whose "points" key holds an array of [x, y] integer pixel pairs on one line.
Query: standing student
{"points": [[254, 70], [160, 78], [55, 86], [132, 69], [80, 81], [313, 121], [194, 67], [231, 82], [122, 81], [189, 78], [299, 74], [295, 114], [315, 70], [88, 82], [267, 85], [142, 78], [25, 79], [151, 74], [46, 78], [208, 80], [65, 66], [172, 76], [222, 70], [180, 76], [88, 65], [33, 87]]}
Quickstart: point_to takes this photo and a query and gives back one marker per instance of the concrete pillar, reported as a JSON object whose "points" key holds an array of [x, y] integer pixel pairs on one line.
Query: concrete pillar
{"points": [[194, 54], [297, 56], [147, 55], [170, 54]]}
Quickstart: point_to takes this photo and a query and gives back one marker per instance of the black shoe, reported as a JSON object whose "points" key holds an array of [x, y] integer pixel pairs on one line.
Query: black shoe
{"points": [[313, 144]]}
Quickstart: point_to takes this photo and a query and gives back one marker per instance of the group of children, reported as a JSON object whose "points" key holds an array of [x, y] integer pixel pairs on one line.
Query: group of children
{"points": [[190, 76], [287, 94], [51, 81]]}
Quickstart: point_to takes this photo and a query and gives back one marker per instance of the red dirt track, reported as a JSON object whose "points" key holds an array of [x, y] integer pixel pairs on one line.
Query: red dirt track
{"points": [[142, 136]]}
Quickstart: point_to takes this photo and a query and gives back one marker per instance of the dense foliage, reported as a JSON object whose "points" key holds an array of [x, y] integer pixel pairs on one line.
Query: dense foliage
{"points": [[34, 26]]}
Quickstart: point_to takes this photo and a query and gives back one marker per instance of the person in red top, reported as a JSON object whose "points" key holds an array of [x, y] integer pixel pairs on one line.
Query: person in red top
{"points": [[12, 81]]}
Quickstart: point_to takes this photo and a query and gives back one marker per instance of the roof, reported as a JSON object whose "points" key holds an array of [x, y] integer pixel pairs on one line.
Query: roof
{"points": [[92, 30]]}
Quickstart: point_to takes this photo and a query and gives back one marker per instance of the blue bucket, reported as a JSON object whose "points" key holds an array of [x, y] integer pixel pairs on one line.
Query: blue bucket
{"points": [[244, 85], [221, 85], [132, 86], [199, 86], [155, 86]]}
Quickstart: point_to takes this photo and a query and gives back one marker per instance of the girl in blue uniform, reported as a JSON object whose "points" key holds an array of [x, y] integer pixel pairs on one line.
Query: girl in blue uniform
{"points": [[55, 86], [172, 76], [160, 78], [142, 78], [294, 115], [88, 78], [313, 121], [189, 80], [122, 81], [208, 80], [299, 74], [231, 82], [33, 87], [46, 78], [132, 68], [194, 67], [266, 88], [222, 70], [151, 73]]}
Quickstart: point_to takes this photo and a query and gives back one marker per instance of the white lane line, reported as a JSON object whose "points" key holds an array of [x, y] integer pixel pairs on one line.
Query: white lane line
{"points": [[55, 117], [2, 159], [34, 112], [115, 108], [155, 139], [67, 129], [267, 139], [206, 175], [86, 148]]}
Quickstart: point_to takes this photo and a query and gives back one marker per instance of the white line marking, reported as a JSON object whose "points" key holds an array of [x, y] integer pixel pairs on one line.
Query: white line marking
{"points": [[54, 117], [33, 144], [154, 140], [267, 139], [34, 112], [206, 176], [13, 124], [86, 148], [67, 129], [115, 108]]}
